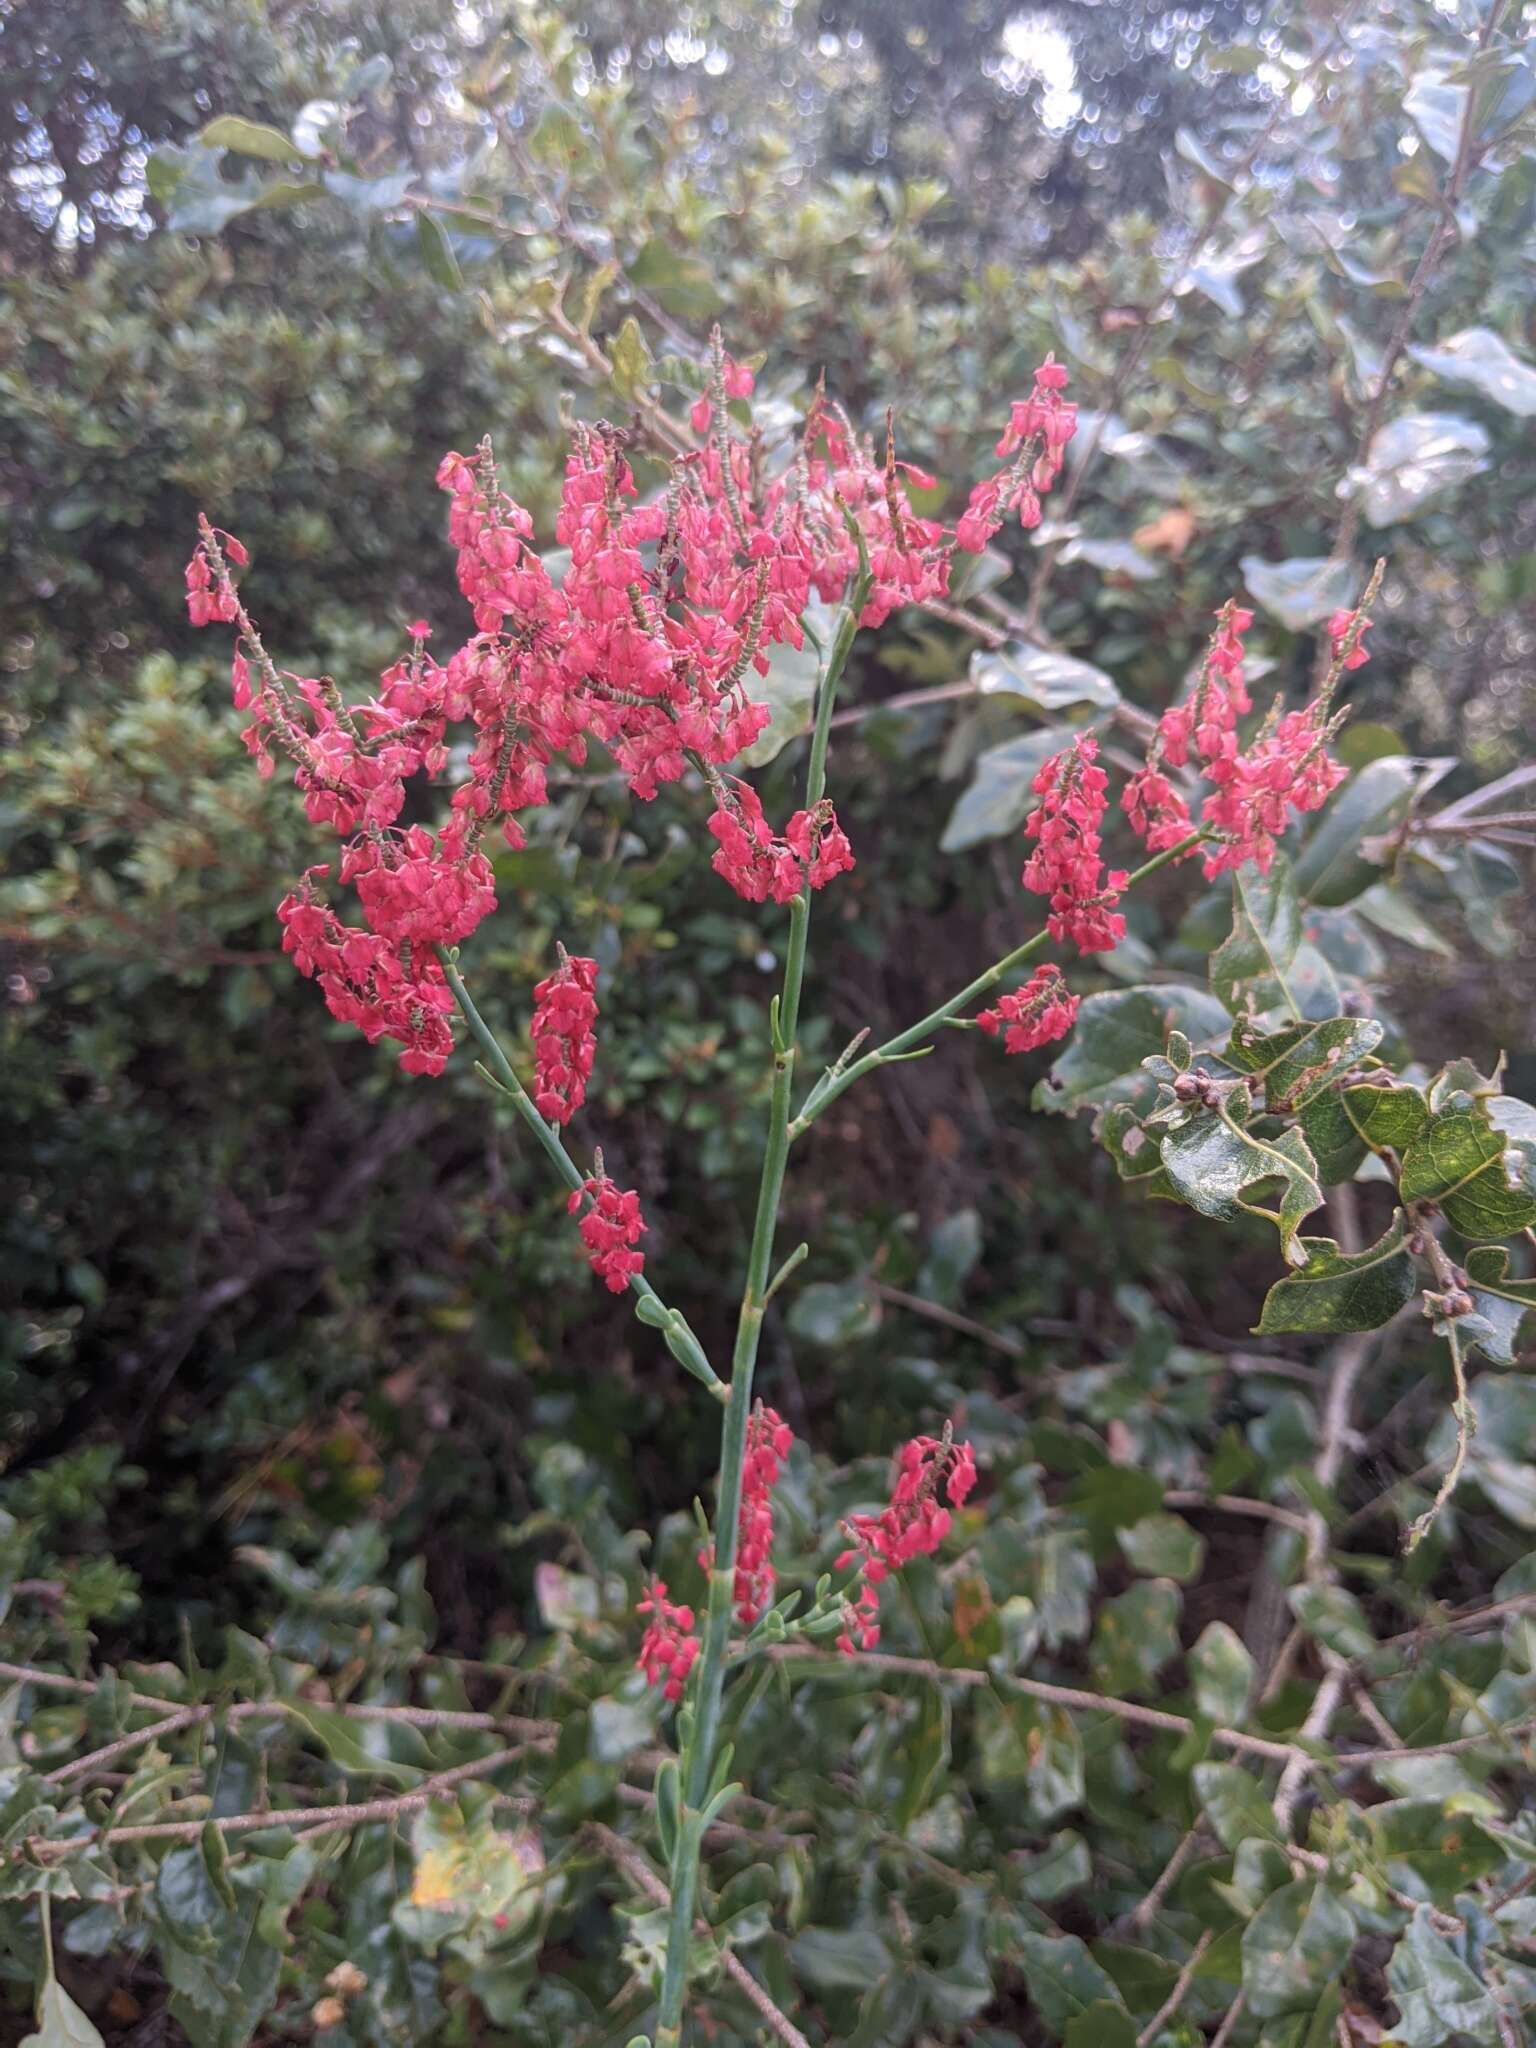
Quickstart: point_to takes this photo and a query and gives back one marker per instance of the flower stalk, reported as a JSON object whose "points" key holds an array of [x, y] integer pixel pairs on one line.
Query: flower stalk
{"points": [[700, 1741]]}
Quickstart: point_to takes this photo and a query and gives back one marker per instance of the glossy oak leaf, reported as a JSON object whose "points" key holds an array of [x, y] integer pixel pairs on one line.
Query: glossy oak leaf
{"points": [[1499, 1303], [1299, 1062], [1459, 1162], [1337, 1291], [1220, 1168]]}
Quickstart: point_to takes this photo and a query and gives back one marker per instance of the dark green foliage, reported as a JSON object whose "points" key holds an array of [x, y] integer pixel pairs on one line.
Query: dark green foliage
{"points": [[307, 1406]]}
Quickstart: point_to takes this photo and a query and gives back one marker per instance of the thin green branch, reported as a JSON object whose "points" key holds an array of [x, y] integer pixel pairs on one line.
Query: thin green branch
{"points": [[650, 1308], [833, 1082], [701, 1730]]}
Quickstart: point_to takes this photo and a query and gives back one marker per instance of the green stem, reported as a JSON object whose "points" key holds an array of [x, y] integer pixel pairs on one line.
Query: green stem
{"points": [[832, 1083], [680, 1340], [702, 1738]]}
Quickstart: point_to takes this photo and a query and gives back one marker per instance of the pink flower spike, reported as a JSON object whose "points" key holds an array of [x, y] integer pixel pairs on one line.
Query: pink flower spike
{"points": [[1338, 632], [914, 1525], [564, 1047], [1066, 865], [669, 1648], [1037, 1014], [610, 1227]]}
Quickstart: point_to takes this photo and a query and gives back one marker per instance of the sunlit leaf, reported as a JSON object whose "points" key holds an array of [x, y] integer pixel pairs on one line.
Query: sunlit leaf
{"points": [[1485, 362], [1042, 677], [1413, 458], [1302, 591], [1461, 1161]]}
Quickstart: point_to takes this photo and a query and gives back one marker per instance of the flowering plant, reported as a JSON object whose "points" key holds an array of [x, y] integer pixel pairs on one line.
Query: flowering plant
{"points": [[648, 645]]}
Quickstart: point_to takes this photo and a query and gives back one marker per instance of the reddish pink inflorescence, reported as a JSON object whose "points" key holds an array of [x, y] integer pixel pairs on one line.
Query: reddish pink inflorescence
{"points": [[648, 645], [914, 1525], [1039, 1013], [564, 1047], [769, 1438], [1066, 864], [669, 1646], [1286, 768], [610, 1229]]}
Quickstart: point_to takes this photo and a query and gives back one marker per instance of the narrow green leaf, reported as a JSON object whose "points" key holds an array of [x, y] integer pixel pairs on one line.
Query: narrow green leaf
{"points": [[436, 252], [337, 1736], [633, 369], [250, 138], [927, 1757], [1330, 869]]}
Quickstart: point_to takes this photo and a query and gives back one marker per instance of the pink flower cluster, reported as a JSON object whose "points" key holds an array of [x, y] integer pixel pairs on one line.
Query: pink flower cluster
{"points": [[1338, 633], [757, 862], [648, 644], [610, 1229], [930, 1471], [1285, 769], [1034, 445], [1066, 864], [1039, 1013], [731, 380], [669, 1647], [913, 1525], [368, 982], [563, 1043], [209, 596], [769, 1438]]}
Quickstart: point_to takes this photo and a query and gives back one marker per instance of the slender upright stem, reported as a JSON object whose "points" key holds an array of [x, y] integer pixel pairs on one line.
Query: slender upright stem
{"points": [[834, 1081], [685, 1347], [701, 1740]]}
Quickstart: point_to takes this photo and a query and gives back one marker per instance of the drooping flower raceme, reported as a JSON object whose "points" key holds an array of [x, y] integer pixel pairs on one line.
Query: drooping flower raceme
{"points": [[669, 1647], [1033, 445], [564, 1047], [913, 1525], [1066, 864], [1285, 769], [610, 1229], [1040, 1012], [769, 1438], [760, 864], [1339, 629]]}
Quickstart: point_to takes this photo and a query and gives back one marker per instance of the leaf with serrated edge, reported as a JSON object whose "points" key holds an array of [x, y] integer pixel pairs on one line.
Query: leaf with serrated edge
{"points": [[1212, 1162], [1299, 1062], [1336, 1291], [1499, 1304], [1458, 1162]]}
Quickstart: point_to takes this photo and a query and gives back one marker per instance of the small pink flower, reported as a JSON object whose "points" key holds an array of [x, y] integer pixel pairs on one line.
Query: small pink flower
{"points": [[1037, 1014]]}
